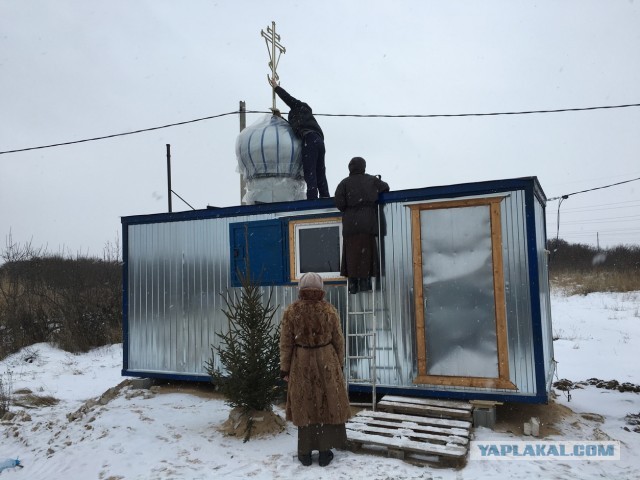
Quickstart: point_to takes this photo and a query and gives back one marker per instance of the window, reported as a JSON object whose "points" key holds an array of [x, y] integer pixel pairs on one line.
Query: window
{"points": [[459, 294], [315, 246]]}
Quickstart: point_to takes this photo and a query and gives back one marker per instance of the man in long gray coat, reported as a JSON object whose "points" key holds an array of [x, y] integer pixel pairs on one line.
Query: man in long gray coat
{"points": [[357, 196]]}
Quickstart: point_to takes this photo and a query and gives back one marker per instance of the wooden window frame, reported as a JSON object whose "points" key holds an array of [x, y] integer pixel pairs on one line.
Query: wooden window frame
{"points": [[502, 381], [293, 245]]}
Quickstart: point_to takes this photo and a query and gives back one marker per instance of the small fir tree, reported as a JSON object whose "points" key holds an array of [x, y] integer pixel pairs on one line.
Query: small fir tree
{"points": [[249, 352]]}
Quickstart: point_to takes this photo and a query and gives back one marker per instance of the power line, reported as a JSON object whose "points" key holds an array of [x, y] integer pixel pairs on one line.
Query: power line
{"points": [[598, 208], [119, 134], [442, 115], [617, 231], [564, 197], [629, 218]]}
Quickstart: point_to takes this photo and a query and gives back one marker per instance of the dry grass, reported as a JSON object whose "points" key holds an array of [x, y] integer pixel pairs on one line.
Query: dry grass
{"points": [[5, 393], [582, 283], [32, 400]]}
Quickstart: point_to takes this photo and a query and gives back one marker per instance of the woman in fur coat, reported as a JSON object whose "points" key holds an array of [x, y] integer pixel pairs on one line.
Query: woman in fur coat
{"points": [[311, 361]]}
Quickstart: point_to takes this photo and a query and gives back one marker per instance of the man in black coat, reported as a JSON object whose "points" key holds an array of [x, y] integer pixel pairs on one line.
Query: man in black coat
{"points": [[308, 130], [357, 196]]}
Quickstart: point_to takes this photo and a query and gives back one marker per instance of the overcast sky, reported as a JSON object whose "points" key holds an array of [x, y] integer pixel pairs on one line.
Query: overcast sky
{"points": [[71, 70]]}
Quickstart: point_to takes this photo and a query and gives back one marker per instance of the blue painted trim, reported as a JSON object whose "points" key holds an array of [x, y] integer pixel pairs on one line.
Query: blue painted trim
{"points": [[453, 395], [427, 193], [539, 193], [387, 390], [534, 290], [459, 190], [287, 258], [125, 297], [244, 210]]}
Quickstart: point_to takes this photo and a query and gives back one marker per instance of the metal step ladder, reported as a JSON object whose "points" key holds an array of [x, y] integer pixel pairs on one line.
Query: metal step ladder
{"points": [[360, 342]]}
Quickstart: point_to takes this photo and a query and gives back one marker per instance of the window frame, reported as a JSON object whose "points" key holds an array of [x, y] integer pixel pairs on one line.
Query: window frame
{"points": [[295, 225]]}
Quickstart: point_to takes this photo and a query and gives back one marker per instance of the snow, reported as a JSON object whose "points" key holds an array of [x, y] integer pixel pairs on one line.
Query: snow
{"points": [[140, 434]]}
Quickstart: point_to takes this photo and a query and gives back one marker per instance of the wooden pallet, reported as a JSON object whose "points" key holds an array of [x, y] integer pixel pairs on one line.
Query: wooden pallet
{"points": [[426, 406], [413, 438]]}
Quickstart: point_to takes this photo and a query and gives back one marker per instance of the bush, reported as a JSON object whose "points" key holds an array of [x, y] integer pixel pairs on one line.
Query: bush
{"points": [[582, 269], [74, 303]]}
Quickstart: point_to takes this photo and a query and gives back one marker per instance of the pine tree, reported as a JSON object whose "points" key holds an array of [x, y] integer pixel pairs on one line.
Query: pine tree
{"points": [[249, 352]]}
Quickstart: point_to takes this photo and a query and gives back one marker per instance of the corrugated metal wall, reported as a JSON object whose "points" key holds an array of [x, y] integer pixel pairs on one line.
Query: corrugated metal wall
{"points": [[177, 271], [396, 335], [545, 301]]}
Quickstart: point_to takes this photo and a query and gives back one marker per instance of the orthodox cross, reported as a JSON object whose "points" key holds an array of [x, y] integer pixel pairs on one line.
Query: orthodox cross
{"points": [[272, 39]]}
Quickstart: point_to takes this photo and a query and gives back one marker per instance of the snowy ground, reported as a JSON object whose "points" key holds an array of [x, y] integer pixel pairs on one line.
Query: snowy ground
{"points": [[139, 434]]}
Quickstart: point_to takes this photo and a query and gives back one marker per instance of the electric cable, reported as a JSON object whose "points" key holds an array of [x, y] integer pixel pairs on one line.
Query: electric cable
{"points": [[103, 137], [440, 115], [564, 197]]}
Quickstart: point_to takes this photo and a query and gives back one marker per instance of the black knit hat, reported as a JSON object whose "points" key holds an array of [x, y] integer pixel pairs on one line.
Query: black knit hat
{"points": [[357, 165]]}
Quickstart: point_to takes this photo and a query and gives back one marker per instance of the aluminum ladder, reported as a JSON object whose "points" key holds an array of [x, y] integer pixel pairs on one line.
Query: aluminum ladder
{"points": [[360, 341]]}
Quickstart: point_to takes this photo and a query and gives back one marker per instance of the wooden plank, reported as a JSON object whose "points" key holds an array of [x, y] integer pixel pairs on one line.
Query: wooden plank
{"points": [[441, 422], [427, 409], [416, 255], [408, 445], [484, 403], [460, 432], [429, 401], [406, 433], [499, 294], [424, 409], [450, 381]]}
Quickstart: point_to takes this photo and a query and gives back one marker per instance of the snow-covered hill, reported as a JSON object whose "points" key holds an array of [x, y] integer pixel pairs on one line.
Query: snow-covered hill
{"points": [[88, 425]]}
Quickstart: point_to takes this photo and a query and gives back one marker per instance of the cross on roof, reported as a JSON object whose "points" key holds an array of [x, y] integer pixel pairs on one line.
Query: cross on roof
{"points": [[272, 39]]}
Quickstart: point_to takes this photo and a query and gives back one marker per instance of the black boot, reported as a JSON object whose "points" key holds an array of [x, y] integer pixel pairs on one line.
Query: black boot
{"points": [[305, 459], [364, 284], [325, 458]]}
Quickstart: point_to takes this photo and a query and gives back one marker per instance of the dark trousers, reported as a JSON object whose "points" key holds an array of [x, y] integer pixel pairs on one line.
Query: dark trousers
{"points": [[313, 166]]}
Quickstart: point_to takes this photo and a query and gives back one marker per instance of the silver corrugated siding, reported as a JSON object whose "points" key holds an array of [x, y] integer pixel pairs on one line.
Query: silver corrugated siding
{"points": [[545, 301], [396, 335], [177, 272]]}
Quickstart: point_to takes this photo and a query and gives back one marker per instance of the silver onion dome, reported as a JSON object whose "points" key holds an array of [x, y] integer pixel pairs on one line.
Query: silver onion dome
{"points": [[269, 158]]}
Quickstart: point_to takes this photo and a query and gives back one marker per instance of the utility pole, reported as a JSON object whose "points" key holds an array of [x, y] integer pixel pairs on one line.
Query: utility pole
{"points": [[169, 175], [243, 125]]}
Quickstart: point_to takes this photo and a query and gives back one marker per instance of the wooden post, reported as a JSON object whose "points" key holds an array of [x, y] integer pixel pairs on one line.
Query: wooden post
{"points": [[169, 175], [243, 125]]}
